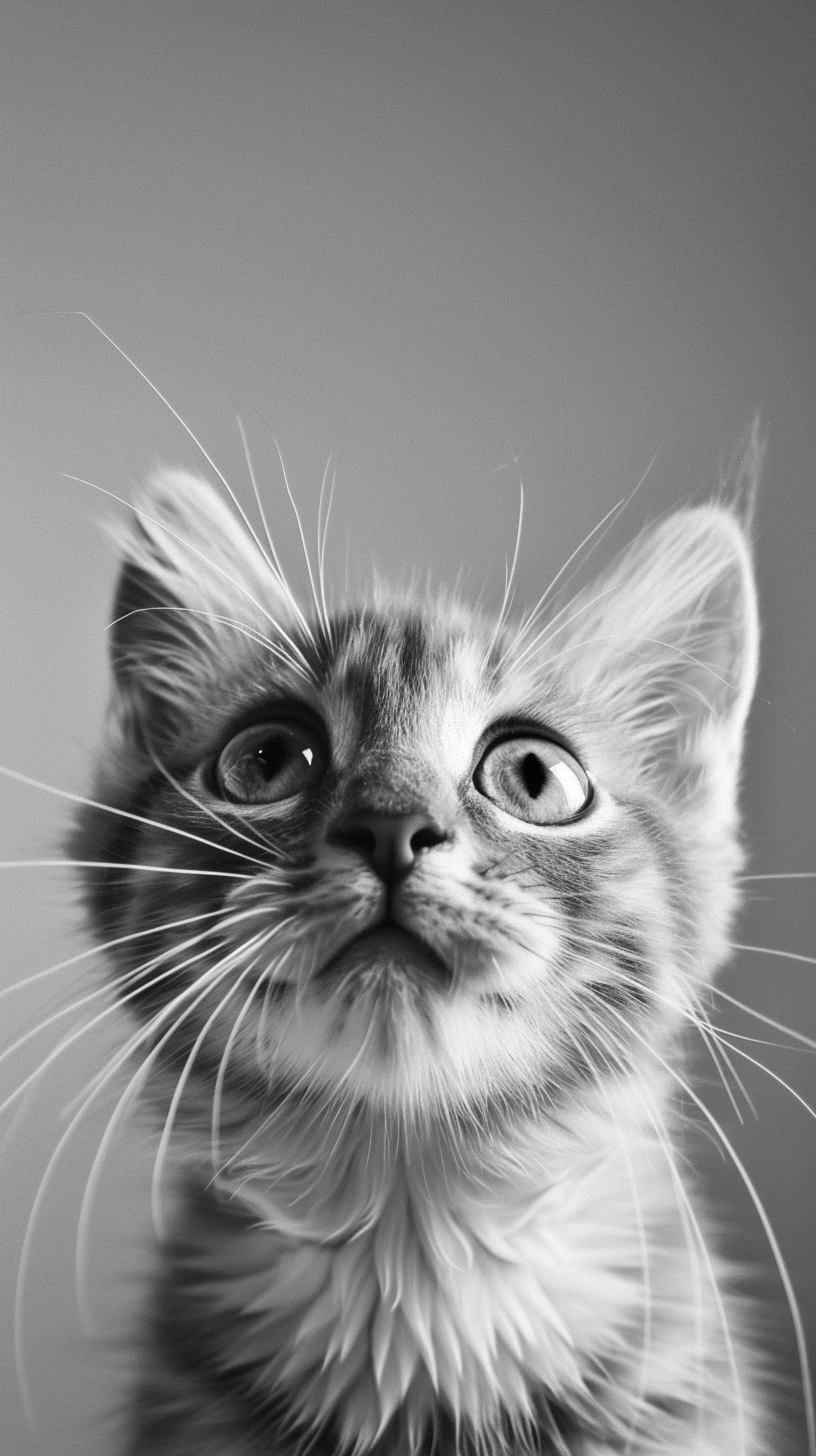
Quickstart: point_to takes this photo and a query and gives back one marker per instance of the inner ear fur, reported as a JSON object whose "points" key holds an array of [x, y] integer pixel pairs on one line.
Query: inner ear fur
{"points": [[193, 581], [667, 641]]}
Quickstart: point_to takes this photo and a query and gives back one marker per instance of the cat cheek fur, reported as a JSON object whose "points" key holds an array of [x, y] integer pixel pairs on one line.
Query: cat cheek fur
{"points": [[428, 1198]]}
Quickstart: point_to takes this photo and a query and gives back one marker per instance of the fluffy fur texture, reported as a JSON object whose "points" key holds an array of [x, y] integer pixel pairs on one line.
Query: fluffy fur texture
{"points": [[416, 1042]]}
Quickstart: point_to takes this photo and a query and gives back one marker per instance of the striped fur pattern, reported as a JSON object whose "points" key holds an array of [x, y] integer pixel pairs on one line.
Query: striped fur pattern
{"points": [[421, 1170]]}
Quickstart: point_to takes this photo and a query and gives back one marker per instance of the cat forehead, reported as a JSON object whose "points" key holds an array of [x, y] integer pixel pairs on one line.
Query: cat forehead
{"points": [[420, 675], [407, 647], [396, 666]]}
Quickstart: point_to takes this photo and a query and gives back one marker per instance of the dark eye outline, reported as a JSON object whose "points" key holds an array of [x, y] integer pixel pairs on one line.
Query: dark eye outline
{"points": [[254, 733], [532, 734]]}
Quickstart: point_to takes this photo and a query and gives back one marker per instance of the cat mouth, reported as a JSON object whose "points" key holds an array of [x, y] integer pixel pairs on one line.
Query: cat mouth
{"points": [[389, 949]]}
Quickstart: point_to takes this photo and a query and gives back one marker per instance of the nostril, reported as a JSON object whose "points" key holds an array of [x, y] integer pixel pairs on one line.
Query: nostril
{"points": [[363, 841], [426, 838], [389, 843]]}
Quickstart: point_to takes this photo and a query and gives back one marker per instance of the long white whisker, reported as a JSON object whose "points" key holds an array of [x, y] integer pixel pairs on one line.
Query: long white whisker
{"points": [[104, 864], [691, 1225], [225, 968], [276, 562], [80, 313], [740, 1052], [719, 1057], [787, 955], [773, 1242], [532, 616], [25, 1253], [103, 949], [122, 814], [556, 625], [244, 629], [72, 1037], [321, 541], [599, 532], [786, 875], [68, 1010], [799, 1036], [193, 993], [509, 578], [218, 1091], [301, 532], [134, 1086], [137, 976], [213, 565], [691, 1228], [259, 842], [143, 1033]]}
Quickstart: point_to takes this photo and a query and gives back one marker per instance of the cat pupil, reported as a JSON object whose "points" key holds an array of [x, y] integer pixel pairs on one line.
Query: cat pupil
{"points": [[270, 757], [533, 774]]}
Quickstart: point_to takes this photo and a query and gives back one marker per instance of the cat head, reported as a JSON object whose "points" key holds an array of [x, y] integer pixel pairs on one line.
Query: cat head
{"points": [[401, 856]]}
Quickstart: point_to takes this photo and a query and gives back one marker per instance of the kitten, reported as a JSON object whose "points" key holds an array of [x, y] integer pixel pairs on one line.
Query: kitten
{"points": [[412, 911]]}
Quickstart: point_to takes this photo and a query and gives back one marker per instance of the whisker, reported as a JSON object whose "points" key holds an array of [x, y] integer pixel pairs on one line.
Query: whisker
{"points": [[531, 617], [87, 803], [218, 1091], [693, 1238], [722, 1035], [72, 1037], [272, 979], [556, 625], [716, 1049], [259, 842], [80, 313], [301, 532], [799, 1036], [17, 1119], [276, 562], [27, 1245], [321, 543], [509, 578], [133, 1087], [170, 953], [193, 993], [225, 969], [786, 875], [136, 975], [102, 949], [104, 864], [787, 955], [691, 1226], [188, 546], [773, 1242], [244, 629]]}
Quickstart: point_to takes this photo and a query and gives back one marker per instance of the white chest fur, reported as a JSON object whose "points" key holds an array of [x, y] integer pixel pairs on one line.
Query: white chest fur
{"points": [[409, 1283]]}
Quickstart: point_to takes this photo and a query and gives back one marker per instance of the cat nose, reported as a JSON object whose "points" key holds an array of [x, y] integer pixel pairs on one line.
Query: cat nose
{"points": [[389, 843]]}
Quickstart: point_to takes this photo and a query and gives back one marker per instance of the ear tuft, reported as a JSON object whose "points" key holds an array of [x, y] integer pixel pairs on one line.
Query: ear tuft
{"points": [[740, 476]]}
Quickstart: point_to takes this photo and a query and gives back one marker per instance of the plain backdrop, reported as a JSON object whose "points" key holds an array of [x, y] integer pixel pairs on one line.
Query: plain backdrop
{"points": [[449, 244]]}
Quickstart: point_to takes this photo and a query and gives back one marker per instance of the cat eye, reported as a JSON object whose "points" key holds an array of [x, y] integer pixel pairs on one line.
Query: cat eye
{"points": [[533, 779], [270, 762]]}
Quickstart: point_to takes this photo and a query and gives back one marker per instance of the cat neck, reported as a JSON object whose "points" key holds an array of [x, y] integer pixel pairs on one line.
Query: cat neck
{"points": [[325, 1175], [390, 1275]]}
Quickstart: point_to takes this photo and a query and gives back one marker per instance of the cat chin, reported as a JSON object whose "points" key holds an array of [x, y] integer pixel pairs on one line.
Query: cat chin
{"points": [[377, 962], [407, 1042]]}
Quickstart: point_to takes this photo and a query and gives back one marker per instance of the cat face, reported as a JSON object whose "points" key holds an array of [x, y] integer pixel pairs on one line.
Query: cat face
{"points": [[403, 857]]}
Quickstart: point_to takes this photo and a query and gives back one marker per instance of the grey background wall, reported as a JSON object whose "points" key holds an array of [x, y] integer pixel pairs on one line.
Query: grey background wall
{"points": [[448, 242]]}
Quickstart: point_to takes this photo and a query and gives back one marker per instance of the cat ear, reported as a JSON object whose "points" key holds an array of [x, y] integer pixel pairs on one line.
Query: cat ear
{"points": [[194, 588], [666, 643]]}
